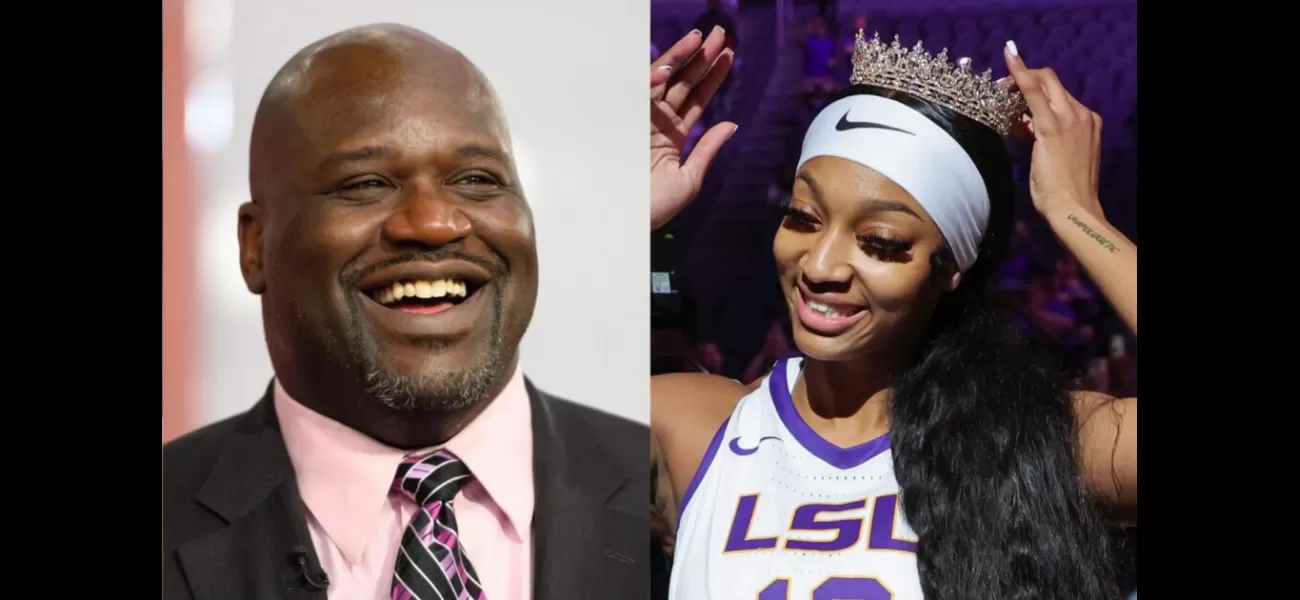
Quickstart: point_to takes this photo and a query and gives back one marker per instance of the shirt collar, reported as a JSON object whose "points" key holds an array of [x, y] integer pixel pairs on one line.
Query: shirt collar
{"points": [[344, 476]]}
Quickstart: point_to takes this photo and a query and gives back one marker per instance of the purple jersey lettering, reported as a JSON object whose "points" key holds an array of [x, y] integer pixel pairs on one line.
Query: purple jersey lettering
{"points": [[739, 540], [883, 516], [847, 531], [811, 518], [835, 588]]}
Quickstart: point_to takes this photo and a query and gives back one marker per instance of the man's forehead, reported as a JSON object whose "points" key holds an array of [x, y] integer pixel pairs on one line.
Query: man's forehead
{"points": [[366, 94], [422, 101], [381, 86]]}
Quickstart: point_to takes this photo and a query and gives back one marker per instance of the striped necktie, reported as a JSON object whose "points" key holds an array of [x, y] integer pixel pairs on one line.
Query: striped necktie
{"points": [[431, 563]]}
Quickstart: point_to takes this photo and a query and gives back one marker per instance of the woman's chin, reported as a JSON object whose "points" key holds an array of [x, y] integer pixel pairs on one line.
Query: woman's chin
{"points": [[829, 349]]}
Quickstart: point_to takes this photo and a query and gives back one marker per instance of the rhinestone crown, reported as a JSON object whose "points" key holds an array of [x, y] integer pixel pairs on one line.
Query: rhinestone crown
{"points": [[915, 72]]}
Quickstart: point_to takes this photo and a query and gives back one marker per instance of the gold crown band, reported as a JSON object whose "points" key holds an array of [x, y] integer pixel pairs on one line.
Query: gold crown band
{"points": [[991, 103]]}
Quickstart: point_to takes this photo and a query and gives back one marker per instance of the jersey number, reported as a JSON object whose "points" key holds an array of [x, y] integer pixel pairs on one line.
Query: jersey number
{"points": [[835, 588]]}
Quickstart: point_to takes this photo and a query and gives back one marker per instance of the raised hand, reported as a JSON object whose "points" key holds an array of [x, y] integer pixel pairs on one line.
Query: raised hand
{"points": [[682, 82], [1067, 140], [1063, 184]]}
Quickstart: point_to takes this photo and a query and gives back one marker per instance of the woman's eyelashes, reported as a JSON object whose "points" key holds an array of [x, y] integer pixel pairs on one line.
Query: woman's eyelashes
{"points": [[886, 248], [880, 246], [798, 220]]}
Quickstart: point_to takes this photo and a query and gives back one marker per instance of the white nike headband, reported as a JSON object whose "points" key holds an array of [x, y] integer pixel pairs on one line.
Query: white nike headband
{"points": [[913, 152]]}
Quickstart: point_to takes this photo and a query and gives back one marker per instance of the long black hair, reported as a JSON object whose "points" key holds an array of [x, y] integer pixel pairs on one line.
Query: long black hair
{"points": [[984, 435]]}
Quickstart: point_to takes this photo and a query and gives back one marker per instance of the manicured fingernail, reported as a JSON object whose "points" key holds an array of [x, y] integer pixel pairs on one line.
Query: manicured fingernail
{"points": [[1011, 47], [733, 131], [697, 32], [719, 29], [665, 67]]}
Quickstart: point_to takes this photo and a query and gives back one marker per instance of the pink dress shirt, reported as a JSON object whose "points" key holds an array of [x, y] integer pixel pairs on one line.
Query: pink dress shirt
{"points": [[344, 478]]}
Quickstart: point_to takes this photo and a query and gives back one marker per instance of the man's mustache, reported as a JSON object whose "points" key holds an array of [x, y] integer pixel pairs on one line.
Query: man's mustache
{"points": [[354, 273]]}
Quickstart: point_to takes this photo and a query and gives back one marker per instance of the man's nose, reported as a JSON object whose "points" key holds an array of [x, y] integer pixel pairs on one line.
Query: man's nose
{"points": [[427, 216]]}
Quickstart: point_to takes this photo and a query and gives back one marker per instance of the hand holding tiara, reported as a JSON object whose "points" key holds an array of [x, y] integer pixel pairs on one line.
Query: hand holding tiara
{"points": [[1067, 141], [682, 82]]}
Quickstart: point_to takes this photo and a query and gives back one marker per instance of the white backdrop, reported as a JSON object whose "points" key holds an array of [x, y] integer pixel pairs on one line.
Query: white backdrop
{"points": [[572, 78]]}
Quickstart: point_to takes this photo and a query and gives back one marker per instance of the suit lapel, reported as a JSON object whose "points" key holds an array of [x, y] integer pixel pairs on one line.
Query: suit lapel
{"points": [[582, 547], [253, 489]]}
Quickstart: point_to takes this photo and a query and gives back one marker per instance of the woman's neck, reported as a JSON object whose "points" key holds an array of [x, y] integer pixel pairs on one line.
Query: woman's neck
{"points": [[847, 403]]}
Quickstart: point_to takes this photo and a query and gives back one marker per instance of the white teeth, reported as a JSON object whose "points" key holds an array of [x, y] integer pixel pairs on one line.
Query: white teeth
{"points": [[824, 309], [420, 289]]}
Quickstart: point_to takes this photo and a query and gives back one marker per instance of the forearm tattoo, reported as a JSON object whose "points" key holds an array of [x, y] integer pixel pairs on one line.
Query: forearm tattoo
{"points": [[1094, 234]]}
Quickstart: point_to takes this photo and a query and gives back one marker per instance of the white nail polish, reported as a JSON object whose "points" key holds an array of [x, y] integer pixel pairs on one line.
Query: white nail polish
{"points": [[1011, 47]]}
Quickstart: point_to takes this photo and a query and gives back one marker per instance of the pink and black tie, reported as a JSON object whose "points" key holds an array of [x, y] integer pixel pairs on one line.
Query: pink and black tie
{"points": [[431, 564]]}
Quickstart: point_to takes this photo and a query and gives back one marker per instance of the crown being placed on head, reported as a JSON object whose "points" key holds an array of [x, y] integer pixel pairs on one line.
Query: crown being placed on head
{"points": [[933, 78]]}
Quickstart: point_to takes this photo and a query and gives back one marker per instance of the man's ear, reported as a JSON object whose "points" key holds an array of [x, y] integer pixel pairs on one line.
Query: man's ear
{"points": [[251, 220]]}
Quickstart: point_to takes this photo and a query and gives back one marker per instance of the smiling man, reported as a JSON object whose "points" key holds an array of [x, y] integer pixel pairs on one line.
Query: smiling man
{"points": [[399, 451]]}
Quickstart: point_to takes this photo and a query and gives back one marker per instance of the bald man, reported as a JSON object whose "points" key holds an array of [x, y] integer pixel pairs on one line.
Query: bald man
{"points": [[399, 451]]}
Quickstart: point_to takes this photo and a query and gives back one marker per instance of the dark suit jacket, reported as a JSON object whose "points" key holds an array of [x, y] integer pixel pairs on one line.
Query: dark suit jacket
{"points": [[232, 515]]}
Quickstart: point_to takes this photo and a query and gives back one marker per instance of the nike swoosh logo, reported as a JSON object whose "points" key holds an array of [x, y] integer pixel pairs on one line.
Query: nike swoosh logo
{"points": [[735, 445], [845, 124]]}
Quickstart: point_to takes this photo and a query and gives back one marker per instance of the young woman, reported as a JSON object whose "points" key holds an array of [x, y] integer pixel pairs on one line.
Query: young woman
{"points": [[919, 448]]}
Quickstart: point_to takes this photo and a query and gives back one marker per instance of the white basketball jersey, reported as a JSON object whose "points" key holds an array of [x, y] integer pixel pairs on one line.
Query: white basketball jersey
{"points": [[776, 512]]}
